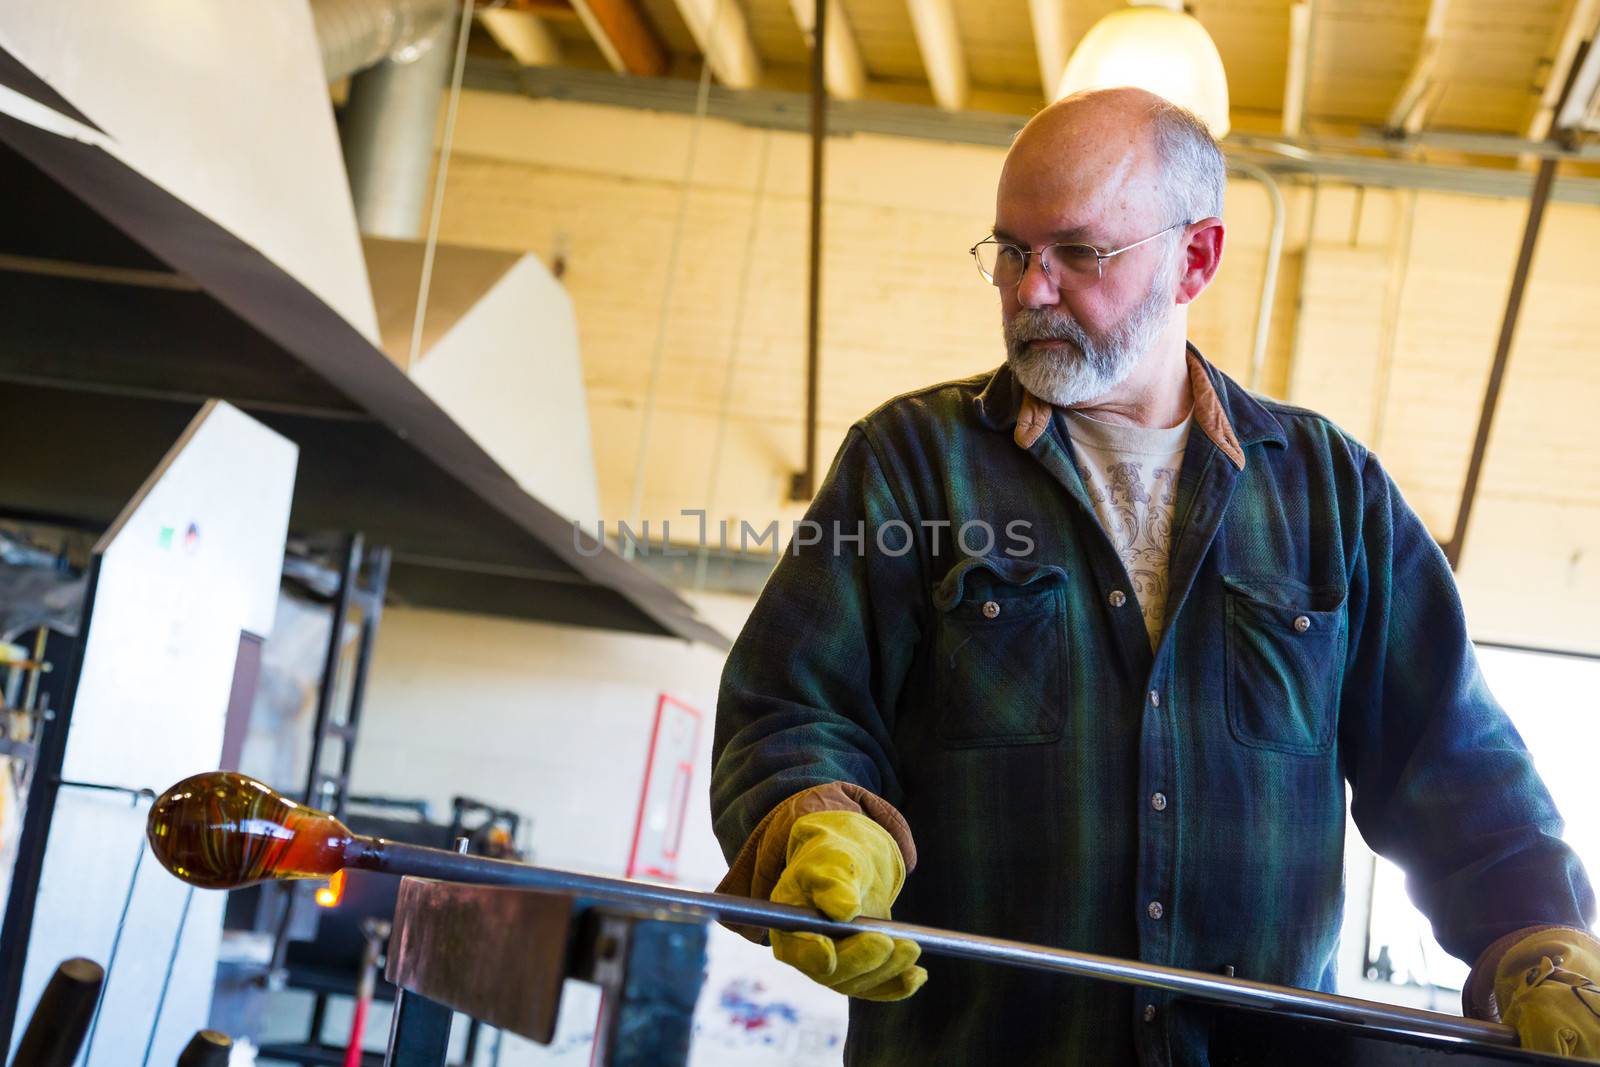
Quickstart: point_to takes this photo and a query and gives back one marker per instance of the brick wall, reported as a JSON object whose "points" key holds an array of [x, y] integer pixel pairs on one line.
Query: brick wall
{"points": [[1388, 301]]}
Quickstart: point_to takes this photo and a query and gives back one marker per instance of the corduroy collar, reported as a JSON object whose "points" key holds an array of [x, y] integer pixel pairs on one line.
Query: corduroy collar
{"points": [[1225, 412]]}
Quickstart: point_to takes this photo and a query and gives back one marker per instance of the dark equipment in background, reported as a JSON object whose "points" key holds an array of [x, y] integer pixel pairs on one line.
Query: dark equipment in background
{"points": [[60, 1021], [207, 1048], [330, 960]]}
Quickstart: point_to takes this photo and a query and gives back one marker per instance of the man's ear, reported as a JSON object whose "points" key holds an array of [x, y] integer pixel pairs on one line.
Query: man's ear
{"points": [[1201, 252]]}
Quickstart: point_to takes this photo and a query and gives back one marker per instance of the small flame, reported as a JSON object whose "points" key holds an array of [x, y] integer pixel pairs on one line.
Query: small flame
{"points": [[329, 895]]}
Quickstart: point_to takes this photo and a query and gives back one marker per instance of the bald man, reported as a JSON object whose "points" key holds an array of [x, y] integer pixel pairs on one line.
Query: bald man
{"points": [[1083, 651]]}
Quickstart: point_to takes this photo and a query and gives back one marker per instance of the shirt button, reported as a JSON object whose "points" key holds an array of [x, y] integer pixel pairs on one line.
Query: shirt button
{"points": [[1155, 909], [1117, 598], [1301, 624], [1155, 699], [1149, 1013], [1159, 801], [991, 610]]}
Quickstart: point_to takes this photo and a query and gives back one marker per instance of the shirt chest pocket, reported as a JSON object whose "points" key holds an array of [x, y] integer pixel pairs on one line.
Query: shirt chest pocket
{"points": [[1000, 652], [1285, 660]]}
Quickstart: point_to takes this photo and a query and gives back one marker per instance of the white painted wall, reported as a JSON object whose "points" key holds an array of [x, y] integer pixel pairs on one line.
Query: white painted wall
{"points": [[554, 722]]}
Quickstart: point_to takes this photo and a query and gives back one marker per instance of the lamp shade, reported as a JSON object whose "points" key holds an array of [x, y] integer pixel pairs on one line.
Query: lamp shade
{"points": [[1153, 47]]}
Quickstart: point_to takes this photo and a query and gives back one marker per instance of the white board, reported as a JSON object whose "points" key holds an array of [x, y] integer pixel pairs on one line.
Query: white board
{"points": [[510, 372], [223, 105], [193, 560]]}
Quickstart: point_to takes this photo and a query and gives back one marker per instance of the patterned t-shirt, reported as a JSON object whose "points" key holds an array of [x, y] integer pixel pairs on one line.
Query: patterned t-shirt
{"points": [[1132, 476]]}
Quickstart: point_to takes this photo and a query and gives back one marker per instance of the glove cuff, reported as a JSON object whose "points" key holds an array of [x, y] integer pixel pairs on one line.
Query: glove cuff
{"points": [[764, 854], [1479, 999]]}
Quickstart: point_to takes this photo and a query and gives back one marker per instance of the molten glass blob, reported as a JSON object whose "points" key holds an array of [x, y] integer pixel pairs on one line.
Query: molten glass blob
{"points": [[222, 830]]}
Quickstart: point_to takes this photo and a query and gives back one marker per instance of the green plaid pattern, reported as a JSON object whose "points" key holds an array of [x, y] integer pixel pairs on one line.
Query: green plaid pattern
{"points": [[1021, 723]]}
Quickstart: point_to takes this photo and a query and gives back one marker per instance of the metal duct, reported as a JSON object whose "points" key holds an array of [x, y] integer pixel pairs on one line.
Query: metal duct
{"points": [[397, 55], [355, 34], [388, 128]]}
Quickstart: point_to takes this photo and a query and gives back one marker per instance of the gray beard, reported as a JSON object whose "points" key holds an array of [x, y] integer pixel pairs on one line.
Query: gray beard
{"points": [[1089, 366]]}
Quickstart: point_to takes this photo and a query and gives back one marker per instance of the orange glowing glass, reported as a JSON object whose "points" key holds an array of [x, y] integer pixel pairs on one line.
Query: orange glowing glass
{"points": [[222, 830]]}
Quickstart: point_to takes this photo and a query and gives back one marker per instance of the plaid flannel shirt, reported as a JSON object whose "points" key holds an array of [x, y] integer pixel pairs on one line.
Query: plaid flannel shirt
{"points": [[1068, 786]]}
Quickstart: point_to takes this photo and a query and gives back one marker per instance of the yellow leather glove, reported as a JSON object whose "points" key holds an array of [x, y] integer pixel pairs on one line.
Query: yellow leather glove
{"points": [[1545, 991], [843, 864]]}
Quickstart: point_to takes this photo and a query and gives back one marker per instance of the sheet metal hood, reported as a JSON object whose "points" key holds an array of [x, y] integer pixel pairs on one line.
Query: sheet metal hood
{"points": [[122, 308]]}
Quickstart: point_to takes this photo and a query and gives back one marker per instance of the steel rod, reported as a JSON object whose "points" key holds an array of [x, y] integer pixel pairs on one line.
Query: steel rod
{"points": [[223, 830], [396, 857]]}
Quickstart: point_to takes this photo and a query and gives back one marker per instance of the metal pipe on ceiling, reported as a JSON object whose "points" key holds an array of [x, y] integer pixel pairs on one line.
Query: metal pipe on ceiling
{"points": [[804, 485], [1581, 95], [1502, 355], [1302, 158], [1291, 370], [1575, 86], [1400, 253], [1269, 270]]}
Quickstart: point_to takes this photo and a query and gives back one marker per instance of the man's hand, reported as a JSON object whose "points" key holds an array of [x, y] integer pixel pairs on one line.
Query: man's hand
{"points": [[1546, 990], [843, 864]]}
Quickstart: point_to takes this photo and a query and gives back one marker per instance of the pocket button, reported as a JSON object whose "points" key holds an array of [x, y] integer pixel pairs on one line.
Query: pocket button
{"points": [[1301, 624], [990, 609]]}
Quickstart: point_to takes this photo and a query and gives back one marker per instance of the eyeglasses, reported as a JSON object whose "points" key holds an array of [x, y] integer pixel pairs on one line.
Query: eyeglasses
{"points": [[1071, 267]]}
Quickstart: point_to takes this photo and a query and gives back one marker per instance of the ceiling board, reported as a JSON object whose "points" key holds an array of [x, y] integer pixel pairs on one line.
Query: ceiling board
{"points": [[775, 32], [668, 22], [888, 43], [1253, 40], [997, 36]]}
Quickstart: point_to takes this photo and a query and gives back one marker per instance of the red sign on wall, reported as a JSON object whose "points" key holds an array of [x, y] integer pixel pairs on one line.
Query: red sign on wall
{"points": [[664, 798]]}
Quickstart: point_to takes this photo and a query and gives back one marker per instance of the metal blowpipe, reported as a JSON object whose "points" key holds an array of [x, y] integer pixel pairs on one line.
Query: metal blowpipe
{"points": [[223, 830]]}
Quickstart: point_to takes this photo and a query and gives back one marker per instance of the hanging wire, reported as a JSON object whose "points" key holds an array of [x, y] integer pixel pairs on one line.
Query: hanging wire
{"points": [[701, 104], [166, 981], [739, 303], [437, 208], [122, 920]]}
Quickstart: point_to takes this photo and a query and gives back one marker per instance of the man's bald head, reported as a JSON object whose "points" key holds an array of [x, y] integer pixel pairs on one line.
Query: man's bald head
{"points": [[1116, 152], [1123, 170]]}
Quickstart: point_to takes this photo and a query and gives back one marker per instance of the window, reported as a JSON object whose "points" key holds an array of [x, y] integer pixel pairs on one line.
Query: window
{"points": [[1554, 702]]}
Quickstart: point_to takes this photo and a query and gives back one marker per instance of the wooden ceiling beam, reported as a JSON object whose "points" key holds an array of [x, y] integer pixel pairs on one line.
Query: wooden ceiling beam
{"points": [[846, 72], [1052, 42], [1297, 72], [1576, 112], [719, 29], [1420, 89], [550, 9], [939, 40], [1576, 25], [524, 36], [625, 37]]}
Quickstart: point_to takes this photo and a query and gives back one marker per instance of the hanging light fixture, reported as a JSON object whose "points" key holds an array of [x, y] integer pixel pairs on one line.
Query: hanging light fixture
{"points": [[1154, 45]]}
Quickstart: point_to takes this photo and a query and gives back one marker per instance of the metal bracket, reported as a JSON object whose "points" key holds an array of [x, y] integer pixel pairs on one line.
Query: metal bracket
{"points": [[502, 955]]}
